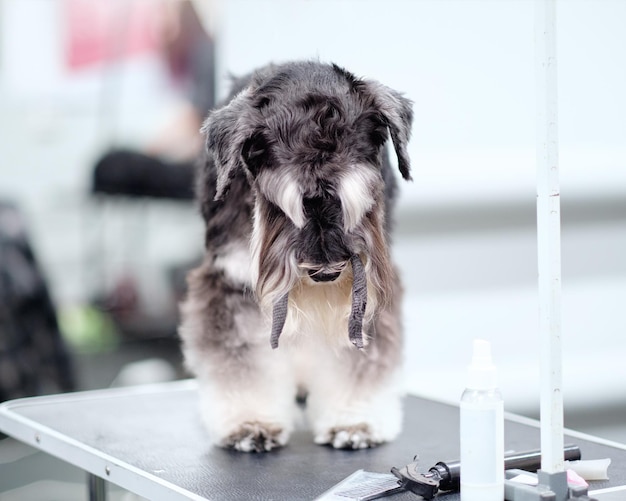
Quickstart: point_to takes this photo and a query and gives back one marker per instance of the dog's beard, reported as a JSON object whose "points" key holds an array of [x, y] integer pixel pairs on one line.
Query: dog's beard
{"points": [[275, 267], [357, 311], [282, 283]]}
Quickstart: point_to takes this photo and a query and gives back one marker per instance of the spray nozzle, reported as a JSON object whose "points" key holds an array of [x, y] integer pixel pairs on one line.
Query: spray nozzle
{"points": [[481, 356], [482, 374]]}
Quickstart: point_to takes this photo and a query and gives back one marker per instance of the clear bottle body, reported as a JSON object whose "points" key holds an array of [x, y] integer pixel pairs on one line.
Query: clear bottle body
{"points": [[482, 445]]}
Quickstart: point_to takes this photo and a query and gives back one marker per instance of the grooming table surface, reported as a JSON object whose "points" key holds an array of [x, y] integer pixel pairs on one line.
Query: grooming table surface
{"points": [[150, 440]]}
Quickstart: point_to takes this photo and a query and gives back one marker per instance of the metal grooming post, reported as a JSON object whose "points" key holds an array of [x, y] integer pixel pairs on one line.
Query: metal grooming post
{"points": [[548, 236], [552, 478]]}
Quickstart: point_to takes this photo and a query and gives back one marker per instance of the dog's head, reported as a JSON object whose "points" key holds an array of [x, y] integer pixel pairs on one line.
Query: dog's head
{"points": [[310, 139]]}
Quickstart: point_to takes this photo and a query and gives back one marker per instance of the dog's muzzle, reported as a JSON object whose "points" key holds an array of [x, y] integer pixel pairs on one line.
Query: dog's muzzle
{"points": [[357, 311]]}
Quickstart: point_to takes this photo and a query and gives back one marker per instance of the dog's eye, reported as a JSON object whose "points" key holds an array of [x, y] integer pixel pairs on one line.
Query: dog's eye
{"points": [[263, 102], [255, 152]]}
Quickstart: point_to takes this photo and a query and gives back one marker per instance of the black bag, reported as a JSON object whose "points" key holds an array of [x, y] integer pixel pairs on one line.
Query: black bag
{"points": [[33, 357]]}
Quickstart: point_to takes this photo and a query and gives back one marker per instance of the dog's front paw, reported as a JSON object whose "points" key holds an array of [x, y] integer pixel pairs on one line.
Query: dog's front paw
{"points": [[358, 436], [255, 437]]}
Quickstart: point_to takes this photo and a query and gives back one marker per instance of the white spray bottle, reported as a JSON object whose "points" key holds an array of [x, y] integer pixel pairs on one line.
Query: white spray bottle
{"points": [[482, 430]]}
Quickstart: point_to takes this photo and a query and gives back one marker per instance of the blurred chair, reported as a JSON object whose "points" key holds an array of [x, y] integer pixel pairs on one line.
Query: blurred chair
{"points": [[162, 170]]}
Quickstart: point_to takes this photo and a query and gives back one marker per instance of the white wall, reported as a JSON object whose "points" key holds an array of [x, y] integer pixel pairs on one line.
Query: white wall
{"points": [[468, 65]]}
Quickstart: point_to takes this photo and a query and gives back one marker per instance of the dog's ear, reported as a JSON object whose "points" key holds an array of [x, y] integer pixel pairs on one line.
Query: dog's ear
{"points": [[226, 130], [398, 113]]}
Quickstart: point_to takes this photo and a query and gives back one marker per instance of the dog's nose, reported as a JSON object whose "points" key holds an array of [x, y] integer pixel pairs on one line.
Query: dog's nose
{"points": [[318, 276]]}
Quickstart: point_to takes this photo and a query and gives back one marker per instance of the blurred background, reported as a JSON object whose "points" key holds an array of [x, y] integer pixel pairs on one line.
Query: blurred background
{"points": [[92, 258]]}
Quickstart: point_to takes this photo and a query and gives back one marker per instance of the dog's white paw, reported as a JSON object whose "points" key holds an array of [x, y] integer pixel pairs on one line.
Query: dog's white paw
{"points": [[254, 436], [358, 436]]}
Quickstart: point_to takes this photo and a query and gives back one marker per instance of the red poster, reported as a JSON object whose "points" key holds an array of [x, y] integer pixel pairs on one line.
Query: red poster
{"points": [[102, 30]]}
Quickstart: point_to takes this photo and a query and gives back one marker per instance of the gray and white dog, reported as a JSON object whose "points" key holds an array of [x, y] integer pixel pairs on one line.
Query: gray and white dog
{"points": [[297, 195]]}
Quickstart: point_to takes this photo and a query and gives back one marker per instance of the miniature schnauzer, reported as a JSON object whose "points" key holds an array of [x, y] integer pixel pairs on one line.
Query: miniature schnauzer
{"points": [[297, 195]]}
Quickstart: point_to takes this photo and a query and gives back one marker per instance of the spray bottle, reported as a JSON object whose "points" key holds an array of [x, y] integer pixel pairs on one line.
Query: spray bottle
{"points": [[482, 430]]}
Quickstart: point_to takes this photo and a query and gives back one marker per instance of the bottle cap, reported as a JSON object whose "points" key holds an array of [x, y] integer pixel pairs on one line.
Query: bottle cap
{"points": [[482, 374]]}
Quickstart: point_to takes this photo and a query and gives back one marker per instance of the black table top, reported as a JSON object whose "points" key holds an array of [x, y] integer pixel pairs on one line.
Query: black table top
{"points": [[150, 440]]}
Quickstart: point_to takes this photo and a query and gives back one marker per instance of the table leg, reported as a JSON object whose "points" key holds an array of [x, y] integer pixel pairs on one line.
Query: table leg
{"points": [[97, 488]]}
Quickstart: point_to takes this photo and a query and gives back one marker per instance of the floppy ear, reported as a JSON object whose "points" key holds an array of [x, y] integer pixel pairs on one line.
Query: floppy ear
{"points": [[226, 130], [398, 112]]}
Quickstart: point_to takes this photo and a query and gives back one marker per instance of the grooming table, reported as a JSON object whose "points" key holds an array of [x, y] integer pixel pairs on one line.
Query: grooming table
{"points": [[149, 440]]}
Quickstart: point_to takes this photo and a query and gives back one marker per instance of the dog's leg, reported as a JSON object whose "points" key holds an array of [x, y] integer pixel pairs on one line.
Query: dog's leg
{"points": [[352, 414], [246, 389], [355, 398]]}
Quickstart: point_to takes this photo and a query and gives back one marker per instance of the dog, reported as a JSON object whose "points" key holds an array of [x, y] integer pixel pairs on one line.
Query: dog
{"points": [[297, 194]]}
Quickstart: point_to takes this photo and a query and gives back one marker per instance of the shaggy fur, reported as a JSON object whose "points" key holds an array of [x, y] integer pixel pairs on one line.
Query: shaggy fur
{"points": [[295, 186]]}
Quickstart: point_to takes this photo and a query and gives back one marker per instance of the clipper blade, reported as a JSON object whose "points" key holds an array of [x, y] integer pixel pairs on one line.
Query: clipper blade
{"points": [[363, 486]]}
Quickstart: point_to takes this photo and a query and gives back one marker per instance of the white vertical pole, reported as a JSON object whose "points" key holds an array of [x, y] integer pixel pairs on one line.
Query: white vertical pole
{"points": [[548, 237]]}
